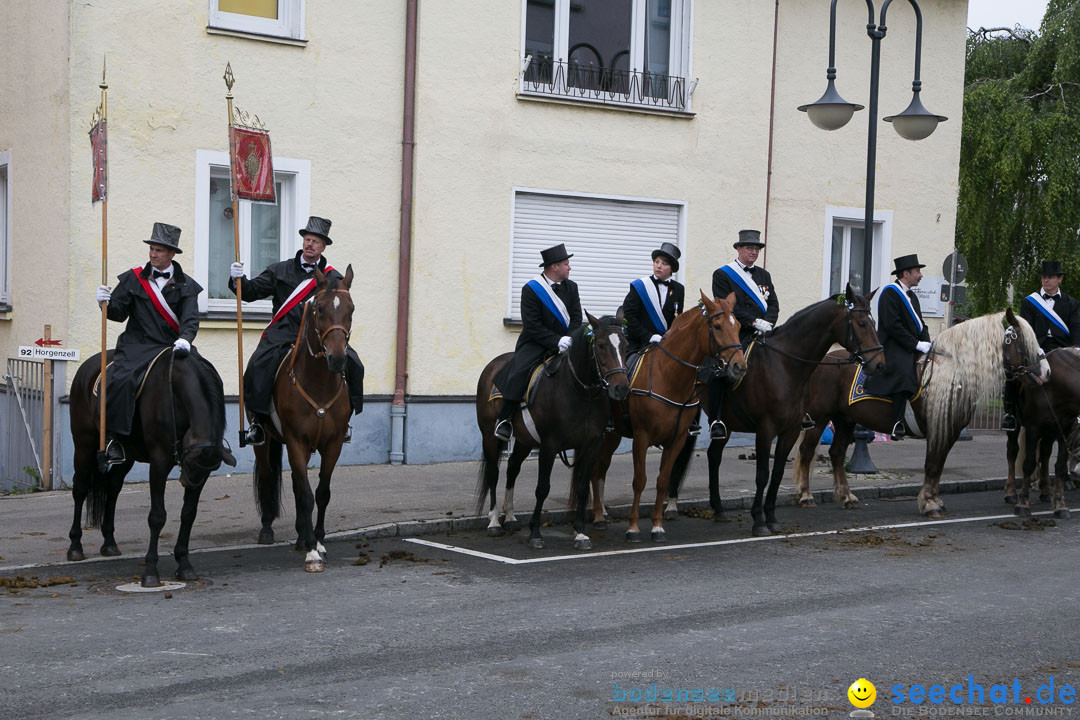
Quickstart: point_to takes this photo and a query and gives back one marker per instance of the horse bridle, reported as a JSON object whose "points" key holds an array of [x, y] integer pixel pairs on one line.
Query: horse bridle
{"points": [[323, 335], [592, 390], [855, 357], [715, 348]]}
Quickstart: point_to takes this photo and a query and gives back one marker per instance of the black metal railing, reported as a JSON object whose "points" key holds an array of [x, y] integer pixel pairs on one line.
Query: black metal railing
{"points": [[578, 81]]}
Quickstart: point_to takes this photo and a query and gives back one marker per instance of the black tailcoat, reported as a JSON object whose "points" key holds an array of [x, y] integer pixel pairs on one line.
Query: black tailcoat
{"points": [[639, 326], [1051, 337], [898, 333], [746, 309]]}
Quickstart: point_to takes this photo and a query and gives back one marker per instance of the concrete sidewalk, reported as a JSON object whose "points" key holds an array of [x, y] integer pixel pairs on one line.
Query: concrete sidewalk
{"points": [[385, 500]]}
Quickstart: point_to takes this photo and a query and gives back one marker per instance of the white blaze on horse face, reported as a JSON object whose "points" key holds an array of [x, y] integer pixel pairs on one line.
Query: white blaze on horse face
{"points": [[731, 319], [337, 303], [614, 339]]}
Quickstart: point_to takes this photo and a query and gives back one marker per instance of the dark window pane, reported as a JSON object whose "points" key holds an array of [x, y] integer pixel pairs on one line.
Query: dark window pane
{"points": [[539, 39], [599, 53], [657, 48]]}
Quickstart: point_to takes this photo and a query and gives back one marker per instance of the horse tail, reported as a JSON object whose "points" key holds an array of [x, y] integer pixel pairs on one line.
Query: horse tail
{"points": [[681, 466], [267, 481], [487, 477], [97, 497]]}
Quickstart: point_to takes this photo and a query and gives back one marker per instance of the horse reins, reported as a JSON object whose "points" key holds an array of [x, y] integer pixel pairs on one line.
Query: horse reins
{"points": [[855, 357], [320, 411]]}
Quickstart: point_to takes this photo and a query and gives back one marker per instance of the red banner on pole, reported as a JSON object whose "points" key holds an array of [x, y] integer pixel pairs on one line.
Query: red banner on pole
{"points": [[252, 165], [99, 147]]}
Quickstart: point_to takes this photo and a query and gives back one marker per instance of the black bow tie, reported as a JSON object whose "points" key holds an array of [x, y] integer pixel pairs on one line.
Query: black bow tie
{"points": [[555, 287], [308, 266], [1049, 297], [158, 273], [665, 283], [749, 270]]}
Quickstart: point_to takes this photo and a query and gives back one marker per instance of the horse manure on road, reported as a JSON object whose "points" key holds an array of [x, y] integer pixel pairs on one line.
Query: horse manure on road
{"points": [[401, 555], [1030, 524], [21, 582]]}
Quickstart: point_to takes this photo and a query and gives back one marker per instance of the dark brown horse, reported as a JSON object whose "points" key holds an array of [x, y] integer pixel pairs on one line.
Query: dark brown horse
{"points": [[771, 400], [310, 414], [664, 402], [1048, 413], [966, 365], [179, 420], [569, 412]]}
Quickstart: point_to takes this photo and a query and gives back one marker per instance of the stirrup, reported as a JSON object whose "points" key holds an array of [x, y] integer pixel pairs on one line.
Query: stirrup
{"points": [[255, 434], [717, 430], [503, 430], [897, 431], [348, 434], [1008, 422], [807, 421], [694, 430], [114, 453]]}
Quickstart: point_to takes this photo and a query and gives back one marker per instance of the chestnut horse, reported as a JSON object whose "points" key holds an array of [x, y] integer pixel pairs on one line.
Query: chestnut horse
{"points": [[179, 420], [1047, 413], [310, 413], [664, 402], [966, 365], [771, 400], [570, 410]]}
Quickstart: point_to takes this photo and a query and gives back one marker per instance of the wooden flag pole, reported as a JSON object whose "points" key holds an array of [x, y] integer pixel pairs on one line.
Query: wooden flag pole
{"points": [[104, 281], [229, 80]]}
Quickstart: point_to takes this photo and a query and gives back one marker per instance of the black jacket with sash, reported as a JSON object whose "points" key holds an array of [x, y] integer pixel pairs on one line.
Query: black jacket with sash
{"points": [[540, 334], [1052, 337], [746, 309], [639, 323], [147, 333], [277, 282], [899, 333]]}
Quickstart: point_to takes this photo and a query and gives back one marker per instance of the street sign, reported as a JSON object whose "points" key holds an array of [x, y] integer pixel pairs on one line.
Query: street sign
{"points": [[33, 352], [43, 342], [961, 267], [959, 294]]}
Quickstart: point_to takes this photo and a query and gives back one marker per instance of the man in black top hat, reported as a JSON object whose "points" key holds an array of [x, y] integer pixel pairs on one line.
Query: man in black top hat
{"points": [[654, 301], [550, 311], [756, 308], [903, 334], [1055, 318], [289, 282], [161, 306]]}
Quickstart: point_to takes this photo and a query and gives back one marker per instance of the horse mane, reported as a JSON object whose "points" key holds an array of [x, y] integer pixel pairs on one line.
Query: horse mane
{"points": [[795, 319], [969, 369], [578, 346]]}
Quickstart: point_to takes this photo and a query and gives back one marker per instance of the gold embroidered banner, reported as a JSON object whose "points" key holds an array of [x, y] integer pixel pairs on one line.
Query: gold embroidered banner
{"points": [[99, 147], [252, 165]]}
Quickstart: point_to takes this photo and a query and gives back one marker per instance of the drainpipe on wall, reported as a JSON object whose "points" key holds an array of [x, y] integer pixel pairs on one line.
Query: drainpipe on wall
{"points": [[408, 144], [772, 120]]}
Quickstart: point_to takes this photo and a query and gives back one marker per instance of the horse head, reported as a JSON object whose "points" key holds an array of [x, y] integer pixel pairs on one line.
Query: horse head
{"points": [[199, 459], [609, 351], [332, 321], [861, 337], [1020, 351], [722, 330]]}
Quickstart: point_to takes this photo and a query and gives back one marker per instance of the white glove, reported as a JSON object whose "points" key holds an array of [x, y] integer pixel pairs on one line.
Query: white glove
{"points": [[104, 294], [236, 270], [182, 346], [655, 339], [564, 343], [762, 326], [922, 346]]}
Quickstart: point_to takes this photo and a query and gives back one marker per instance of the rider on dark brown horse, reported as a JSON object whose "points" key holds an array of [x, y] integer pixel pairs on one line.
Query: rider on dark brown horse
{"points": [[550, 311], [289, 282], [160, 304], [903, 333], [1055, 318], [756, 309]]}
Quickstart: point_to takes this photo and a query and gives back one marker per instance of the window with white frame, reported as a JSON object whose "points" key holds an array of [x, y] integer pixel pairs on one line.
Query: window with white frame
{"points": [[268, 233], [273, 18], [611, 238], [5, 230], [849, 256], [622, 52]]}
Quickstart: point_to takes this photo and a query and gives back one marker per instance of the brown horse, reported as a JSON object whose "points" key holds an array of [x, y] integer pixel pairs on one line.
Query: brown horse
{"points": [[310, 413], [966, 365], [664, 403], [570, 410], [1047, 412]]}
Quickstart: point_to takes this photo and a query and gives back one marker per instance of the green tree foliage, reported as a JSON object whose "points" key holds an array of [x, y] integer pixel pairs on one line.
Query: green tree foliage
{"points": [[1019, 198]]}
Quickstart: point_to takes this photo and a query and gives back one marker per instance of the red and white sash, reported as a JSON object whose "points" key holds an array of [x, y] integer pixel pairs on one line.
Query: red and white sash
{"points": [[295, 298], [158, 300]]}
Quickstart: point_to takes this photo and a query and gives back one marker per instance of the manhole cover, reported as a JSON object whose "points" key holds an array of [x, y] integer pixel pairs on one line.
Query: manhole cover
{"points": [[120, 587]]}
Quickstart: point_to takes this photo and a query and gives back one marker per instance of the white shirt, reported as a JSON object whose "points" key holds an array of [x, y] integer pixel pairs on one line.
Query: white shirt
{"points": [[662, 289]]}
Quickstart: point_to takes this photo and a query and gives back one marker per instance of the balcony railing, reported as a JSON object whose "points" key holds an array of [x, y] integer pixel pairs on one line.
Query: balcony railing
{"points": [[591, 83]]}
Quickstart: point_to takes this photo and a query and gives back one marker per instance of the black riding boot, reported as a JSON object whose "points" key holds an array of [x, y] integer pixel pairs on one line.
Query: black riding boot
{"points": [[1012, 390], [504, 428], [899, 400], [717, 428]]}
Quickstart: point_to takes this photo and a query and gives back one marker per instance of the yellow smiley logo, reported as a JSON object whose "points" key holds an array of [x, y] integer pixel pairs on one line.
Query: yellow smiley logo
{"points": [[862, 693]]}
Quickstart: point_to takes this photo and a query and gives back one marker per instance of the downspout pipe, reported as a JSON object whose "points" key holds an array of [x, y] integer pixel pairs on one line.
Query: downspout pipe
{"points": [[408, 146], [772, 126]]}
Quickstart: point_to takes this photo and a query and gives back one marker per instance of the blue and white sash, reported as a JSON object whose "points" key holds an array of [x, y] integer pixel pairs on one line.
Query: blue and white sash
{"points": [[550, 300], [735, 271], [907, 304], [651, 301], [1047, 309]]}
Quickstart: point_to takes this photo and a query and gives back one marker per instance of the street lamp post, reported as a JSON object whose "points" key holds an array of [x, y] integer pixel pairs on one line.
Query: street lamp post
{"points": [[832, 112]]}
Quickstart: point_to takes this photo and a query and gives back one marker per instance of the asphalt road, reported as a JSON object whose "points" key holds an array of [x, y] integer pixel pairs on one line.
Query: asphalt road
{"points": [[761, 628]]}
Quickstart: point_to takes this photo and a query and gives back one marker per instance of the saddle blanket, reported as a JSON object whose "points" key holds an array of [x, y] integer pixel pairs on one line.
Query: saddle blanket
{"points": [[857, 392]]}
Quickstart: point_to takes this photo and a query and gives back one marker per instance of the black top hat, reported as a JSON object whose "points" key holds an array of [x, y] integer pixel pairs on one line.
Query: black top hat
{"points": [[1052, 267], [554, 254], [317, 226], [671, 252], [166, 236], [905, 262], [749, 237]]}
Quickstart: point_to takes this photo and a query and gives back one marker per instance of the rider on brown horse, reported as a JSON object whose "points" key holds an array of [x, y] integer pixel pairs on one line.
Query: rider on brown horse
{"points": [[550, 311], [160, 304], [289, 282], [903, 333]]}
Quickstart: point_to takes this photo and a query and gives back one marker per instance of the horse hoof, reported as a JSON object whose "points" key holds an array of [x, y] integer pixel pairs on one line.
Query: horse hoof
{"points": [[600, 525], [512, 526], [494, 531], [535, 543], [1062, 514], [110, 550], [314, 566], [671, 514], [1044, 498], [1022, 511], [935, 514], [851, 505], [186, 574], [151, 581], [633, 536], [807, 503], [761, 531], [75, 554], [266, 537], [774, 527], [658, 536], [583, 544], [1010, 499]]}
